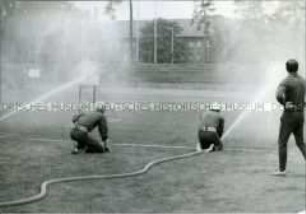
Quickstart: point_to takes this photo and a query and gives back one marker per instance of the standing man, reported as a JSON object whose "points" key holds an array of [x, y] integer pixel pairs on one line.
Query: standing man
{"points": [[291, 94], [211, 129], [84, 123]]}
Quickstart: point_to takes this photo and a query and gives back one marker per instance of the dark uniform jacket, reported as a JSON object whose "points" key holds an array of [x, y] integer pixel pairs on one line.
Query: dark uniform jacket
{"points": [[92, 120], [292, 89], [212, 119]]}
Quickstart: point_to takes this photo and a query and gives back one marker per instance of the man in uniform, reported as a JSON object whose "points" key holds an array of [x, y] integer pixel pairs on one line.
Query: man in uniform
{"points": [[84, 123], [291, 94], [211, 129]]}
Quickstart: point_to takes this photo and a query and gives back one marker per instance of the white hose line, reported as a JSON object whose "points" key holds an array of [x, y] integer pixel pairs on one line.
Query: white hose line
{"points": [[151, 146], [161, 146], [44, 186], [121, 144], [259, 149], [6, 135]]}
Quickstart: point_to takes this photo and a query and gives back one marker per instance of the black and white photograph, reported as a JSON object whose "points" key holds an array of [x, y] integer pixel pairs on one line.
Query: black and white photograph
{"points": [[152, 106]]}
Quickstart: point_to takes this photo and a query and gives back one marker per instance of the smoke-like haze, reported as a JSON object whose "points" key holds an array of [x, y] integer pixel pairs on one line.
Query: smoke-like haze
{"points": [[257, 47], [46, 44]]}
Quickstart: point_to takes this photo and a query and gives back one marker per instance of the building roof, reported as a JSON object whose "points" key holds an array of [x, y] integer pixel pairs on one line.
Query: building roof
{"points": [[189, 29]]}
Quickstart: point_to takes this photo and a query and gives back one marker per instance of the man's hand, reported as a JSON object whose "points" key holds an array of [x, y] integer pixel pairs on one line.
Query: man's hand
{"points": [[198, 147], [289, 106], [104, 143], [210, 149]]}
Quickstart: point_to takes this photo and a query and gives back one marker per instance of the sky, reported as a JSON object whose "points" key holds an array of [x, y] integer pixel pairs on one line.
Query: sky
{"points": [[144, 10], [151, 9]]}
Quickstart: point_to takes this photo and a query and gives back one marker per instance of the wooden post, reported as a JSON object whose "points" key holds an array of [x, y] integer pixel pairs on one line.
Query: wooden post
{"points": [[94, 94]]}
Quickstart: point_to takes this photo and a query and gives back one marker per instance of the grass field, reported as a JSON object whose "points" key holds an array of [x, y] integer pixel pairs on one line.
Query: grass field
{"points": [[235, 180]]}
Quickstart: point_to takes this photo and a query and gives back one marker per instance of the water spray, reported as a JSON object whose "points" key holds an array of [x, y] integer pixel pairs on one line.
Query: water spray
{"points": [[44, 186], [44, 96], [243, 115], [270, 84]]}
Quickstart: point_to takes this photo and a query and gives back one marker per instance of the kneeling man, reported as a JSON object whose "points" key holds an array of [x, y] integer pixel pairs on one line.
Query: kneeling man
{"points": [[84, 123], [211, 129]]}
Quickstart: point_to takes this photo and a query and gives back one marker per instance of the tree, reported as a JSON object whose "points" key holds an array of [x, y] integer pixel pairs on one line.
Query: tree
{"points": [[7, 8], [169, 47], [290, 12], [202, 18], [250, 10], [285, 11], [201, 15], [131, 29], [110, 9]]}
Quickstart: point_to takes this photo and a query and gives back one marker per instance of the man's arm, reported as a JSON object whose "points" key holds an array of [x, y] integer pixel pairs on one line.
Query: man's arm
{"points": [[201, 120], [103, 129], [281, 93], [76, 117], [220, 128]]}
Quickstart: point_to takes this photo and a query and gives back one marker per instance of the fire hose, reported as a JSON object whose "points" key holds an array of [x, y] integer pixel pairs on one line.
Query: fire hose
{"points": [[44, 186]]}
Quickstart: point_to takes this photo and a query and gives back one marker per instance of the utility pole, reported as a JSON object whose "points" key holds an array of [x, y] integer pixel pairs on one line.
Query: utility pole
{"points": [[172, 44], [305, 42], [136, 41], [137, 23], [155, 41], [131, 30], [1, 63], [155, 33]]}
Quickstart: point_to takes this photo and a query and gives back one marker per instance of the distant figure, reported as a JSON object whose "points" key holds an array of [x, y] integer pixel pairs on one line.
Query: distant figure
{"points": [[210, 130], [291, 94], [84, 123]]}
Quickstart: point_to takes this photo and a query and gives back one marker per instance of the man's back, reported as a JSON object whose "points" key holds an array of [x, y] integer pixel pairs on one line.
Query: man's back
{"points": [[291, 94], [210, 130], [90, 120], [210, 119], [292, 89]]}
